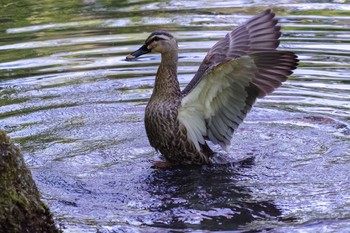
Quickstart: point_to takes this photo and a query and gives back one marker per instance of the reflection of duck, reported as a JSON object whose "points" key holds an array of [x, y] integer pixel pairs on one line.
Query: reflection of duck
{"points": [[208, 198], [238, 69]]}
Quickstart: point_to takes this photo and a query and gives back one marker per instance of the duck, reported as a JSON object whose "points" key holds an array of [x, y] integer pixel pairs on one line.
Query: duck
{"points": [[238, 69]]}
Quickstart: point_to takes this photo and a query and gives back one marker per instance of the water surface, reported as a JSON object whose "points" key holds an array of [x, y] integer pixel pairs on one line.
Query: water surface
{"points": [[75, 107]]}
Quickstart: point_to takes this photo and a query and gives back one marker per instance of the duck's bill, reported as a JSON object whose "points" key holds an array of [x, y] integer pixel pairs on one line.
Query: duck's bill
{"points": [[137, 53]]}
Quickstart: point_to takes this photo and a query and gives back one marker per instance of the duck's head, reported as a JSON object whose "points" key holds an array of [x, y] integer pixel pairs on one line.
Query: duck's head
{"points": [[158, 41]]}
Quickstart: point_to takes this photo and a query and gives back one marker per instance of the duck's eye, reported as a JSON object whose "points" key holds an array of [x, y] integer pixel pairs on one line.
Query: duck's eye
{"points": [[155, 38]]}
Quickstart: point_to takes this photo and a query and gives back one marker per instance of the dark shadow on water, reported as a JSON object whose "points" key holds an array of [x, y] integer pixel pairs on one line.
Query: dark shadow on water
{"points": [[207, 198]]}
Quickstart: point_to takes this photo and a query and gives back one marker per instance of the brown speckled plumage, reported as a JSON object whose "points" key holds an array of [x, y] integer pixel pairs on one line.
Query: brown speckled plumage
{"points": [[163, 129], [241, 67]]}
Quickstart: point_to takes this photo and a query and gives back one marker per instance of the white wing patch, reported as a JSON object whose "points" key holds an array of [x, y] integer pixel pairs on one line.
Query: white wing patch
{"points": [[214, 107], [192, 118]]}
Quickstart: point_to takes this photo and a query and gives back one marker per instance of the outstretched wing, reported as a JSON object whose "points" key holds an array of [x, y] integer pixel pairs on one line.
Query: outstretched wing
{"points": [[260, 32], [220, 101]]}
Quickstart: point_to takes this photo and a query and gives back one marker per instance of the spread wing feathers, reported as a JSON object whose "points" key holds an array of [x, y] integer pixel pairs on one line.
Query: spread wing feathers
{"points": [[213, 108], [258, 33], [221, 100], [273, 68]]}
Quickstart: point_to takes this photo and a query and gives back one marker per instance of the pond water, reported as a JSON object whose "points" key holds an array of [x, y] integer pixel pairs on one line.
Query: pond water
{"points": [[75, 107]]}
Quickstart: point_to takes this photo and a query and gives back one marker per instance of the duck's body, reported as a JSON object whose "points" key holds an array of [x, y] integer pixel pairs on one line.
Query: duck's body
{"points": [[238, 69], [165, 133]]}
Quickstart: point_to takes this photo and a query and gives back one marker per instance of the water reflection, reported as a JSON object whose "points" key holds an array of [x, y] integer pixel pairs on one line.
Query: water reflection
{"points": [[207, 198]]}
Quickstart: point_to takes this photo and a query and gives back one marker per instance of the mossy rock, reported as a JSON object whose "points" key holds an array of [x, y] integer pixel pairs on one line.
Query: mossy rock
{"points": [[21, 209]]}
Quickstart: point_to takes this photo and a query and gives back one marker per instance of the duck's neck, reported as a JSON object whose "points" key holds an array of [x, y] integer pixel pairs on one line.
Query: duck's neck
{"points": [[166, 84]]}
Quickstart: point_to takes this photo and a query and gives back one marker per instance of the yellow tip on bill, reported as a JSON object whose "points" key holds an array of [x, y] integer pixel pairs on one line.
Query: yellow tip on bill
{"points": [[130, 57]]}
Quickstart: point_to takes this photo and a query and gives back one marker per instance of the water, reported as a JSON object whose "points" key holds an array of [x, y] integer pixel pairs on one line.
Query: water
{"points": [[75, 107]]}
